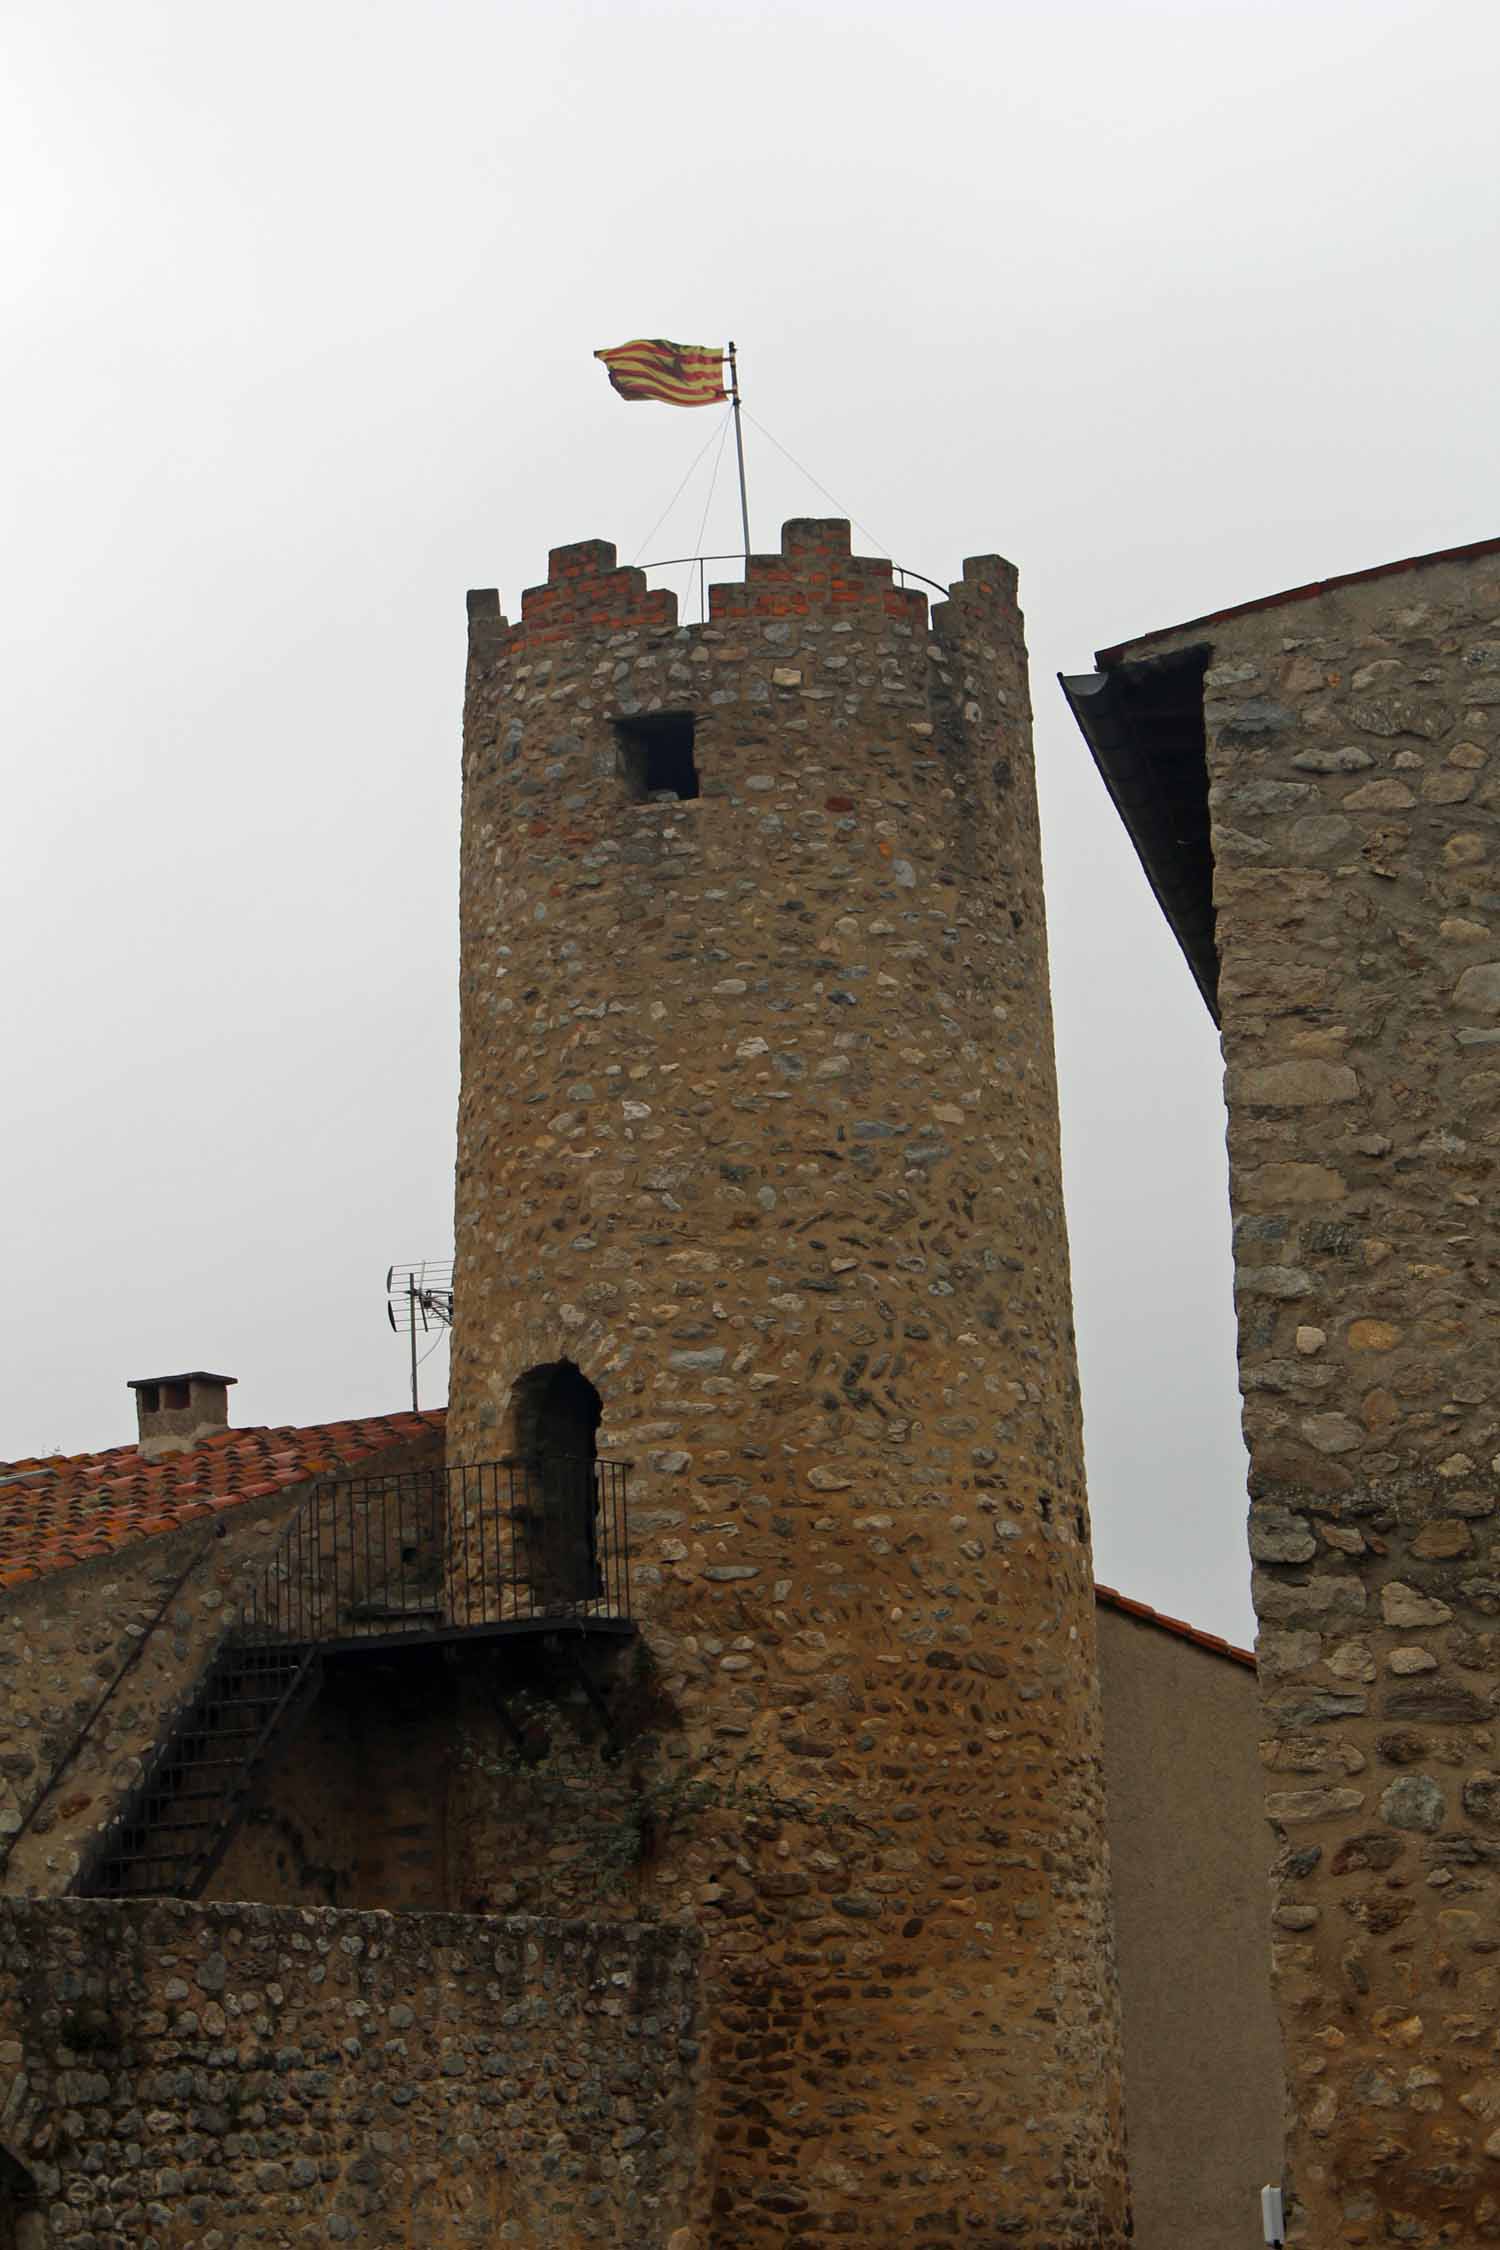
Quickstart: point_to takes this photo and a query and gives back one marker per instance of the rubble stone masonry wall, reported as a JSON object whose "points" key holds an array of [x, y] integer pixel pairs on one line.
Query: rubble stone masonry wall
{"points": [[207, 2078], [758, 1128], [96, 1660], [1355, 769], [130, 1634]]}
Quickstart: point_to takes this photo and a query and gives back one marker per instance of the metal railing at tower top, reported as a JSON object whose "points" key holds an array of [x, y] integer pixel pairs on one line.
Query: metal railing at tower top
{"points": [[498, 1546], [899, 572]]}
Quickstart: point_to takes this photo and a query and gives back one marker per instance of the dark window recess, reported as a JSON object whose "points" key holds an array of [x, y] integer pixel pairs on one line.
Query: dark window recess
{"points": [[150, 1398], [175, 1396], [656, 755]]}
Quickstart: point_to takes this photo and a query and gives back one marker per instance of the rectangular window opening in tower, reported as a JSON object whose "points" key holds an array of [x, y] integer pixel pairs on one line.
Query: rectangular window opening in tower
{"points": [[656, 756]]}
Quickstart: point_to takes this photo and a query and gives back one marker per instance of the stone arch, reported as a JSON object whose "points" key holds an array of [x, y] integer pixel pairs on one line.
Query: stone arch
{"points": [[555, 1413], [23, 2222]]}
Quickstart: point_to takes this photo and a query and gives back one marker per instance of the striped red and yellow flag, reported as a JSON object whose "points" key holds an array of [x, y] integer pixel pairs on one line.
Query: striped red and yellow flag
{"points": [[677, 374]]}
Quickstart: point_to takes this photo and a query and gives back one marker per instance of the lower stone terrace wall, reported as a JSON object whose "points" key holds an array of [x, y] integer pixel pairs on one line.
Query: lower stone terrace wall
{"points": [[231, 2075]]}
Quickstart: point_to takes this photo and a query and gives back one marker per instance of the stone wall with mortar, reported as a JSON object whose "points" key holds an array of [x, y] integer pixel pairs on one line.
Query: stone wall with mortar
{"points": [[407, 1787], [110, 1649], [1354, 757], [135, 1629], [187, 2078], [758, 1128], [477, 1778]]}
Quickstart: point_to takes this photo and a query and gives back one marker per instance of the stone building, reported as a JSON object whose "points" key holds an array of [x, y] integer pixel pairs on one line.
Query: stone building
{"points": [[344, 1907], [1310, 782], [757, 1155], [667, 1804]]}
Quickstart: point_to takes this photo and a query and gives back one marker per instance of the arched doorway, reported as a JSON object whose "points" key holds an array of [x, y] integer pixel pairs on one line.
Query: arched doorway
{"points": [[556, 1412]]}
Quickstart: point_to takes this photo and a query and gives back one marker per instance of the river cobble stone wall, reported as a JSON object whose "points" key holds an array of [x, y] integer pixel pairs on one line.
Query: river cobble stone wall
{"points": [[206, 2078], [94, 1661], [758, 1129], [1355, 770], [97, 1661]]}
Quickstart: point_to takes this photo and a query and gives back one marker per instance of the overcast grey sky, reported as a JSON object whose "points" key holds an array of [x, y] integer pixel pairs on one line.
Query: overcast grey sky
{"points": [[1173, 304]]}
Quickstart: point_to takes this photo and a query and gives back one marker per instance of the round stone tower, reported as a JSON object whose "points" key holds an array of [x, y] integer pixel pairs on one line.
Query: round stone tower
{"points": [[758, 1188]]}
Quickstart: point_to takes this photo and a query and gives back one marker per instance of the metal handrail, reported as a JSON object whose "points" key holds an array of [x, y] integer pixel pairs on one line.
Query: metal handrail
{"points": [[901, 570], [539, 1539]]}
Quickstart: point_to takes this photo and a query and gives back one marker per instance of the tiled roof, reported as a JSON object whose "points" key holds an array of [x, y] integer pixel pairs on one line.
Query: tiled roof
{"points": [[70, 1508], [63, 1509], [1177, 1625]]}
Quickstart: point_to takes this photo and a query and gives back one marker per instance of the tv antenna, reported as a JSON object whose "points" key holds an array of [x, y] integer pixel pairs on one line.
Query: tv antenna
{"points": [[419, 1298]]}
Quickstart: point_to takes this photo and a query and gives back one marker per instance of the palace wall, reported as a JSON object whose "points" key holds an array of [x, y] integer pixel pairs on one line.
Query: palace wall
{"points": [[129, 1633], [204, 2078], [95, 1661], [1355, 806], [758, 1130], [406, 1788]]}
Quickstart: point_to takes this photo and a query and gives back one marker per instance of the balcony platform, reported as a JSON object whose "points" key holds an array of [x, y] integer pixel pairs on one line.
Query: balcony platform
{"points": [[581, 1624]]}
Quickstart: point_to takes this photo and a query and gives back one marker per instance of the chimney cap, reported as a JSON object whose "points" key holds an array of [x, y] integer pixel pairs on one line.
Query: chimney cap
{"points": [[193, 1375]]}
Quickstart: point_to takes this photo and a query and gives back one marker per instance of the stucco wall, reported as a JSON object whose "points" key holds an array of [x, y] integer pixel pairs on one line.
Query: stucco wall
{"points": [[207, 2078], [1190, 1852]]}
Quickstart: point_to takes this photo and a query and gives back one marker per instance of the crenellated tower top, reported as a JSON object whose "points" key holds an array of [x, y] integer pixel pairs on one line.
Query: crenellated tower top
{"points": [[813, 572], [758, 1188]]}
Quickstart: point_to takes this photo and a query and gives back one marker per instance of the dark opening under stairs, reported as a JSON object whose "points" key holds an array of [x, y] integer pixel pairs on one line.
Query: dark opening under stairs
{"points": [[178, 1822], [367, 1563]]}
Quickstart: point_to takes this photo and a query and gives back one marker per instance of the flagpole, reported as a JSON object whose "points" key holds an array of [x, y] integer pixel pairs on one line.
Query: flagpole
{"points": [[739, 447]]}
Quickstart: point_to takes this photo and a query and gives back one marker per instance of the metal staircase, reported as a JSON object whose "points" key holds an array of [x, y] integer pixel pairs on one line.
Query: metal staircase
{"points": [[179, 1820], [371, 1563]]}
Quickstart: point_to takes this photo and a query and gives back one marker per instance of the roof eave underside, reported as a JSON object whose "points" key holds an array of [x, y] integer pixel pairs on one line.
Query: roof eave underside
{"points": [[1143, 723]]}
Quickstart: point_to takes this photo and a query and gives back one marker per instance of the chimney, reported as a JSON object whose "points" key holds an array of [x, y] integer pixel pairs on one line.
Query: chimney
{"points": [[177, 1412]]}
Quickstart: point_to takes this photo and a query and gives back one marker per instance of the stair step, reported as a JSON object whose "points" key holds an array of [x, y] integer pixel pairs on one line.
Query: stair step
{"points": [[199, 1762], [264, 1691], [155, 1859], [163, 1811]]}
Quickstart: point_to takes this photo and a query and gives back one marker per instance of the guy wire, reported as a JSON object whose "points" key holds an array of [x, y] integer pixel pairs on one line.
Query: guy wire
{"points": [[879, 544], [708, 503], [677, 495]]}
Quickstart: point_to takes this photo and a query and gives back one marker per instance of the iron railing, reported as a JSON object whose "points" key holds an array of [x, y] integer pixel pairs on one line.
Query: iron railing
{"points": [[899, 571], [900, 574], [536, 1545], [438, 1552]]}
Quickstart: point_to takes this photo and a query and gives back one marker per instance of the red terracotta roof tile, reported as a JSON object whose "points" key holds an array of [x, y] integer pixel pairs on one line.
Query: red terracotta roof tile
{"points": [[73, 1507], [1177, 1625]]}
